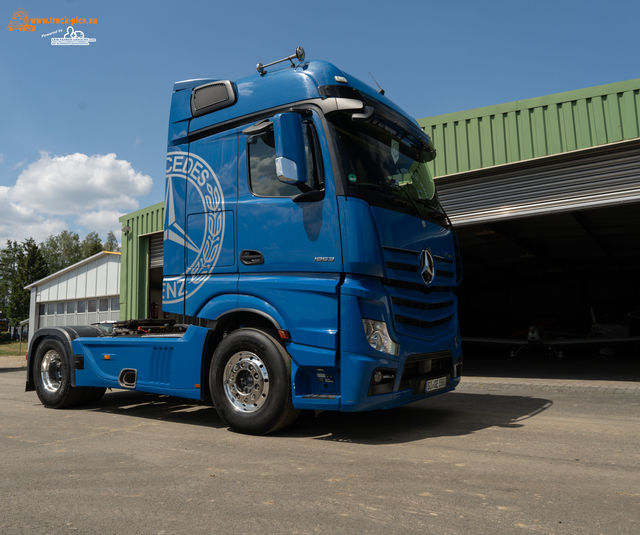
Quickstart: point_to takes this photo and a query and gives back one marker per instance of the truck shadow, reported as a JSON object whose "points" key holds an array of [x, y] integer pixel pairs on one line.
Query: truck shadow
{"points": [[14, 369], [156, 407], [455, 414]]}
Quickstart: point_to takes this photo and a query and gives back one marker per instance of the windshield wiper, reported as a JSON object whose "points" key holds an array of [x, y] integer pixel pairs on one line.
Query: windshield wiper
{"points": [[413, 203], [388, 189], [437, 213], [427, 203], [371, 185]]}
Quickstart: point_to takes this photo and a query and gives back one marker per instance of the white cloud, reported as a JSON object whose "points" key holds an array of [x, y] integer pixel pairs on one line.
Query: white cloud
{"points": [[68, 192], [41, 230], [69, 185], [102, 221], [19, 222]]}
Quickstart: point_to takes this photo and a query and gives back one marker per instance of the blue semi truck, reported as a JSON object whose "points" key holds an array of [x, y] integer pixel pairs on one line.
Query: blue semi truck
{"points": [[307, 260]]}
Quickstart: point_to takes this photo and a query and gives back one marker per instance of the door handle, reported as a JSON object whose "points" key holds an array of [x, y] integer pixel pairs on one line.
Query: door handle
{"points": [[251, 258]]}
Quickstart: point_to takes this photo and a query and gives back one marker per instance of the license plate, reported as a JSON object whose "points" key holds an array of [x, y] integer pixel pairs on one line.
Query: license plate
{"points": [[436, 384]]}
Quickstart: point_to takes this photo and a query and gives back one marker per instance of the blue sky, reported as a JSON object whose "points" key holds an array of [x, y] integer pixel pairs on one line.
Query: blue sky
{"points": [[83, 128]]}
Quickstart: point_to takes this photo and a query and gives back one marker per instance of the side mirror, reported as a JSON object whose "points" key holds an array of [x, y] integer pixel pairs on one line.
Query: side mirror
{"points": [[290, 156]]}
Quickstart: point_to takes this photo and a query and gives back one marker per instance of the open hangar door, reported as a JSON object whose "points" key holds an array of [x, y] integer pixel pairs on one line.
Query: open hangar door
{"points": [[547, 241]]}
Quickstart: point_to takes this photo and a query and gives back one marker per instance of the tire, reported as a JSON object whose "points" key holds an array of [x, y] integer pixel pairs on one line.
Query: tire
{"points": [[250, 381], [52, 376]]}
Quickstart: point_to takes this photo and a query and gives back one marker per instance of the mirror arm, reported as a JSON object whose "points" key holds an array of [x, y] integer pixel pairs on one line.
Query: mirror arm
{"points": [[309, 196], [259, 128]]}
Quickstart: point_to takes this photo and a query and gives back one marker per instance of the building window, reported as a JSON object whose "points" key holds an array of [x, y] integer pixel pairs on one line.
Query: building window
{"points": [[71, 307], [42, 309], [104, 305], [60, 307], [51, 309], [92, 305], [115, 303], [82, 307]]}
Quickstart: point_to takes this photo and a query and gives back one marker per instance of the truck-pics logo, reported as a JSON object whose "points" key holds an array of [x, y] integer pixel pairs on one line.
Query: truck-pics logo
{"points": [[197, 172], [21, 22], [72, 37]]}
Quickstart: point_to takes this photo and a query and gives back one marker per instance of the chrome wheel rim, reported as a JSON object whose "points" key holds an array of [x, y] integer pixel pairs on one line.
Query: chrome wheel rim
{"points": [[51, 371], [246, 382]]}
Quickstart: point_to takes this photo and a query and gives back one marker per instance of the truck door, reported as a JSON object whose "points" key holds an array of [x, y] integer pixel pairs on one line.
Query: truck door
{"points": [[288, 234], [200, 223]]}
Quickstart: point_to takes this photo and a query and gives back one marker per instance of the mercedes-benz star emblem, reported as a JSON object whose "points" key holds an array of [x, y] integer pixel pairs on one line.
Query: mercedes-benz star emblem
{"points": [[427, 269]]}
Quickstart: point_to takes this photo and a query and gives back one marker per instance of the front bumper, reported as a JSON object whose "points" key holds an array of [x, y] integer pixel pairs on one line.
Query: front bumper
{"points": [[350, 387], [408, 386]]}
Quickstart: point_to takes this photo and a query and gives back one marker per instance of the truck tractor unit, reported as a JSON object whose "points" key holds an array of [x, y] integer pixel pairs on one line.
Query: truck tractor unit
{"points": [[308, 263]]}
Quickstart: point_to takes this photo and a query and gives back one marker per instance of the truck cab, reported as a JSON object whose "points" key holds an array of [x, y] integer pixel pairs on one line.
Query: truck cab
{"points": [[304, 234]]}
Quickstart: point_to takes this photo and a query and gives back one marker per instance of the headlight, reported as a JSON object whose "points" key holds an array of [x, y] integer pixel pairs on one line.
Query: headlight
{"points": [[378, 337]]}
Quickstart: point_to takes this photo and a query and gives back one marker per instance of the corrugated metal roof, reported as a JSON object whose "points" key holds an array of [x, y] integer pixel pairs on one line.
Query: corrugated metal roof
{"points": [[71, 268], [534, 128]]}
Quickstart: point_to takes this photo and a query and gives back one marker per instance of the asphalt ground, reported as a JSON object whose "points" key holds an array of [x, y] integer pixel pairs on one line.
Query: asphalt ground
{"points": [[531, 445]]}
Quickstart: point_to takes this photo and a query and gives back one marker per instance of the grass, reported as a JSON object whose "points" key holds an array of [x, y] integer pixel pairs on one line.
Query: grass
{"points": [[13, 348]]}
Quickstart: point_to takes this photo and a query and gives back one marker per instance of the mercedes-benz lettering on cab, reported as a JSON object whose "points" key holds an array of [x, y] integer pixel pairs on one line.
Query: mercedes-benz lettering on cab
{"points": [[305, 246]]}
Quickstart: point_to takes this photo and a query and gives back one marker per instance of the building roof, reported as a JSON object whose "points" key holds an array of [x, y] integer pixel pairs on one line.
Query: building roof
{"points": [[71, 268], [534, 128]]}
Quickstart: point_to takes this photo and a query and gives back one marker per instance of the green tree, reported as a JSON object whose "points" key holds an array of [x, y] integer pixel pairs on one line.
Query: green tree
{"points": [[91, 245], [9, 258], [112, 243], [62, 250], [31, 268]]}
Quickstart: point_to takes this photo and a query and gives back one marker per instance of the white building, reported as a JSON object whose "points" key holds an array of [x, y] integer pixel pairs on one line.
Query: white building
{"points": [[82, 294]]}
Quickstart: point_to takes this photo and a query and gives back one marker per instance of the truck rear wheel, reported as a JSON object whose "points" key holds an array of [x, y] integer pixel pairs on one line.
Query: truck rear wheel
{"points": [[52, 376], [250, 381]]}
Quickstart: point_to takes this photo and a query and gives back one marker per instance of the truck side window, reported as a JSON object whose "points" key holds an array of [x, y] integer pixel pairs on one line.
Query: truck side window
{"points": [[262, 165]]}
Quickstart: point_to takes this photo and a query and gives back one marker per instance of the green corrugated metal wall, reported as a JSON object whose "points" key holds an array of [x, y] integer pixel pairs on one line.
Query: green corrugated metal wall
{"points": [[134, 271], [534, 128]]}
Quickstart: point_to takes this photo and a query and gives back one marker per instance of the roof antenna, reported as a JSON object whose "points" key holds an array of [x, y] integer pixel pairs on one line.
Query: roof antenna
{"points": [[380, 90]]}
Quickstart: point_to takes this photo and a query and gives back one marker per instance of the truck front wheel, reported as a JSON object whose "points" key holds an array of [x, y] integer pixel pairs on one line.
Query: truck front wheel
{"points": [[52, 376], [250, 378]]}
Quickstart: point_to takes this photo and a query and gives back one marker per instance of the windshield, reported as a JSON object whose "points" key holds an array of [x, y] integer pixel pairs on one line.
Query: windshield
{"points": [[386, 165]]}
